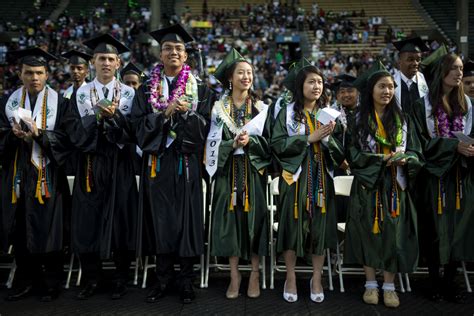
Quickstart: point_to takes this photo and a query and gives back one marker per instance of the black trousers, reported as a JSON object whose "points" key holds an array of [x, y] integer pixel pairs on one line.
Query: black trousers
{"points": [[165, 269], [92, 271], [40, 270]]}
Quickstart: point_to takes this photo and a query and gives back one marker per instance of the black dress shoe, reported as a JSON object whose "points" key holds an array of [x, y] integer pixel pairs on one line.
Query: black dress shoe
{"points": [[118, 291], [89, 290], [156, 293], [19, 293], [187, 294], [49, 295]]}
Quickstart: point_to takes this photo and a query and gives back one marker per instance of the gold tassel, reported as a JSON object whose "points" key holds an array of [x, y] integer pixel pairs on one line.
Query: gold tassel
{"points": [[88, 180], [295, 210], [231, 206], [307, 203], [440, 204], [153, 166], [376, 228], [247, 204], [38, 194], [458, 197], [14, 199]]}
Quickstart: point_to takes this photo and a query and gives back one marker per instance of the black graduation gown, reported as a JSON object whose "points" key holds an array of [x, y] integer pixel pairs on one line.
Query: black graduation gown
{"points": [[44, 222], [105, 218], [171, 203]]}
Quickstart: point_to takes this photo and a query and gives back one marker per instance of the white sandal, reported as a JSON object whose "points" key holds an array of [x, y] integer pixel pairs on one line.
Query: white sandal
{"points": [[289, 297], [315, 297]]}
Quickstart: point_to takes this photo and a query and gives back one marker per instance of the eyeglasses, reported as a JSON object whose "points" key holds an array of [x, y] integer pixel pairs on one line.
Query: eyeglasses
{"points": [[170, 49]]}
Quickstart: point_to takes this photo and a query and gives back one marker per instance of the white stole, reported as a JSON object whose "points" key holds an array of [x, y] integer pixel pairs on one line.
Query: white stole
{"points": [[219, 117], [11, 111], [421, 83]]}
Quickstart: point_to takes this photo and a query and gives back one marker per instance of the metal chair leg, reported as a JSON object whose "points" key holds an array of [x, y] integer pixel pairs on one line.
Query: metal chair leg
{"points": [[466, 277], [69, 272], [402, 288], [137, 266], [264, 278], [145, 272], [339, 267], [11, 276], [407, 281]]}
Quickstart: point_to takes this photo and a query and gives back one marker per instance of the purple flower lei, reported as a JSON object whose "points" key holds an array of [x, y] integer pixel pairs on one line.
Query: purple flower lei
{"points": [[156, 99], [444, 127]]}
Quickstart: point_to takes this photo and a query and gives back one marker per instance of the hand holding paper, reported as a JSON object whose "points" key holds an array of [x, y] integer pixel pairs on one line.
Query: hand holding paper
{"points": [[326, 115]]}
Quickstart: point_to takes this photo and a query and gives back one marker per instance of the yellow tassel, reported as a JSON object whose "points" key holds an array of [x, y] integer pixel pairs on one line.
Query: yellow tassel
{"points": [[376, 228], [458, 201], [231, 206], [440, 204], [307, 203], [14, 199], [247, 204], [38, 194], [153, 166], [295, 210]]}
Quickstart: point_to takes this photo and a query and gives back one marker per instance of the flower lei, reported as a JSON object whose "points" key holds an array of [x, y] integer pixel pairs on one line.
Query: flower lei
{"points": [[382, 140], [445, 128], [156, 99]]}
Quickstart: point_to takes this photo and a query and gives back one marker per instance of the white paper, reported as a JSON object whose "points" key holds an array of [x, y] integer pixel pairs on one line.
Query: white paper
{"points": [[25, 116], [327, 115], [464, 138]]}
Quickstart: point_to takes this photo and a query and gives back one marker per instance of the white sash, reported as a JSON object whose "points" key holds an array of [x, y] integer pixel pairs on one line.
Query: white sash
{"points": [[421, 83], [11, 110], [466, 120], [401, 177], [69, 91], [220, 116], [85, 98]]}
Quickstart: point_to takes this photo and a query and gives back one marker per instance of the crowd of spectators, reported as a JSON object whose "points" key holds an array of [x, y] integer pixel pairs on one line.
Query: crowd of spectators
{"points": [[251, 29]]}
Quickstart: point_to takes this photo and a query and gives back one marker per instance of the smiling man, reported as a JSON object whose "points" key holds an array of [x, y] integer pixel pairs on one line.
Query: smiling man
{"points": [[105, 193], [33, 185], [410, 82], [170, 116]]}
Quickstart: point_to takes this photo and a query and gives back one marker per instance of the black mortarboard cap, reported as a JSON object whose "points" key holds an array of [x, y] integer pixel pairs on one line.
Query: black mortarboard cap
{"points": [[361, 82], [173, 33], [231, 58], [76, 57], [131, 68], [290, 80], [31, 57], [106, 44], [344, 81], [468, 70], [414, 44]]}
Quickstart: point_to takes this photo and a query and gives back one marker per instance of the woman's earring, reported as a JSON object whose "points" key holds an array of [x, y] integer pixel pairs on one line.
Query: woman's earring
{"points": [[230, 85]]}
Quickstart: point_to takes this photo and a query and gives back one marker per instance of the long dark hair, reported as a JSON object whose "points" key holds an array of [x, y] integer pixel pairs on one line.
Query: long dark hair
{"points": [[366, 111], [298, 96], [230, 72], [456, 101]]}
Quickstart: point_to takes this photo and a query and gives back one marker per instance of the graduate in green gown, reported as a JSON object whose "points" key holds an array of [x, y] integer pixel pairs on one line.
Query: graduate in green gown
{"points": [[444, 188], [381, 230], [237, 155], [307, 224]]}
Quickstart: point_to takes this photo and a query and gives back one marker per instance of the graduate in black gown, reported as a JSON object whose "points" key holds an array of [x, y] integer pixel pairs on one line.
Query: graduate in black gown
{"points": [[170, 115], [105, 196], [34, 188]]}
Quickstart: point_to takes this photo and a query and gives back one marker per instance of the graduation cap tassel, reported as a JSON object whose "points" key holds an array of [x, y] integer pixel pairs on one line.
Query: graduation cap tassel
{"points": [[233, 194], [458, 184], [376, 228], [247, 204], [153, 166], [38, 193], [440, 204]]}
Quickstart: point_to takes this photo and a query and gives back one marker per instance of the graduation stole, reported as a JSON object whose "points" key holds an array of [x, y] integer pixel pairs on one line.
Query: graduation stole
{"points": [[318, 190], [44, 115], [282, 102], [88, 96], [382, 145], [434, 131], [222, 113]]}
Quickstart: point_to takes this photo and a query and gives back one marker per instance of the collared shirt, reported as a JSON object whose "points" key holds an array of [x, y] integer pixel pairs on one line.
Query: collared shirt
{"points": [[110, 86], [407, 80]]}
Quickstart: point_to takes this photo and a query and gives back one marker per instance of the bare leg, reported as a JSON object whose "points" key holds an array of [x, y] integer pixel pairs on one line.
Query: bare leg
{"points": [[290, 262], [369, 273], [388, 277], [318, 262], [254, 280], [233, 290]]}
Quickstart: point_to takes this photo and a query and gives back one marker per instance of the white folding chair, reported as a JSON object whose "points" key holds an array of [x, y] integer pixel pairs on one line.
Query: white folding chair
{"points": [[10, 266], [225, 266], [273, 191], [201, 266]]}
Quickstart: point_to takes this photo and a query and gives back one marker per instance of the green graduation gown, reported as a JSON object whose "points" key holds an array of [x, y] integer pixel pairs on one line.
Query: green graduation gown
{"points": [[307, 232], [238, 232], [446, 227], [395, 247]]}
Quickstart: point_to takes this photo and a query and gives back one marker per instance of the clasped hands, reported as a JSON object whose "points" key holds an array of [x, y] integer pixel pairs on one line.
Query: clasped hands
{"points": [[465, 149], [321, 132], [241, 140], [20, 133], [176, 106]]}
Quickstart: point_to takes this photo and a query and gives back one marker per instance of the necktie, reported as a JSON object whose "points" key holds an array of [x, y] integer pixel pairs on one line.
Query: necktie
{"points": [[105, 91]]}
